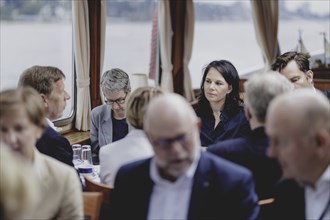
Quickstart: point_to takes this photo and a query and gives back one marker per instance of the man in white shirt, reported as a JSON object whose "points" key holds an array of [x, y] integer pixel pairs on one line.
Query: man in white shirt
{"points": [[180, 182], [298, 125]]}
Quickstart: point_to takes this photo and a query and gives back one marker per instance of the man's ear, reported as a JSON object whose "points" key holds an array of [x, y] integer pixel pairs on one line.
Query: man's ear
{"points": [[149, 138], [44, 99], [322, 139], [310, 75], [247, 112]]}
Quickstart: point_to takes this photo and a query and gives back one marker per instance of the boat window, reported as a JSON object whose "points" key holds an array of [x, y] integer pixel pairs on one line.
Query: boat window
{"points": [[224, 30], [36, 33], [305, 20], [128, 35]]}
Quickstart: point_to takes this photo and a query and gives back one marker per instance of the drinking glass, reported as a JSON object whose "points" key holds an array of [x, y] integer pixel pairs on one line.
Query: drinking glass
{"points": [[86, 155], [76, 148]]}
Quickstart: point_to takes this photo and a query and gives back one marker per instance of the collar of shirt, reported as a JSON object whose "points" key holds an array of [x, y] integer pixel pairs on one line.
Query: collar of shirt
{"points": [[325, 177], [316, 199], [173, 198], [188, 175], [51, 124]]}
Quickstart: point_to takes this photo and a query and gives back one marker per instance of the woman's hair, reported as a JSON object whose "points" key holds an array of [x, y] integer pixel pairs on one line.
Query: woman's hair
{"points": [[115, 80], [137, 104], [27, 98], [229, 73], [18, 188]]}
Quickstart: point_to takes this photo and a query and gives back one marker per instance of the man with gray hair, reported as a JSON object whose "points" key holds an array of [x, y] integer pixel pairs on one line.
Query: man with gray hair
{"points": [[298, 124], [108, 121], [250, 151], [180, 182]]}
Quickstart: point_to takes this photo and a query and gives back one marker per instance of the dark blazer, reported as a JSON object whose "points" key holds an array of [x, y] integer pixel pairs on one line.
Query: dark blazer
{"points": [[250, 151], [326, 93], [221, 190], [230, 126], [54, 145], [289, 202]]}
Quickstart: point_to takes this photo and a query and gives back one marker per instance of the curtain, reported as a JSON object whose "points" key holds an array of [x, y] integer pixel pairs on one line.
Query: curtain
{"points": [[165, 35], [82, 63], [265, 18], [188, 44], [102, 38], [153, 72]]}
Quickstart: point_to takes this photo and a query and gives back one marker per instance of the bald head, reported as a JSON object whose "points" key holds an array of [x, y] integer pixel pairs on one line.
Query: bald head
{"points": [[298, 124], [173, 130], [305, 108], [167, 112]]}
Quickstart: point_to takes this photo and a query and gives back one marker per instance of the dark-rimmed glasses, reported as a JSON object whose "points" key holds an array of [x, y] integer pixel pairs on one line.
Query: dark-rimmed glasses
{"points": [[119, 101]]}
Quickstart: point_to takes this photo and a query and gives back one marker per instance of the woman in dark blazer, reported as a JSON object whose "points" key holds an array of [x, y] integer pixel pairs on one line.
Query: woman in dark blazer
{"points": [[220, 106]]}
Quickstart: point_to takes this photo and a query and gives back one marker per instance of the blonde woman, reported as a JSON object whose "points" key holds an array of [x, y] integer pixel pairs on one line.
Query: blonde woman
{"points": [[22, 122], [18, 191]]}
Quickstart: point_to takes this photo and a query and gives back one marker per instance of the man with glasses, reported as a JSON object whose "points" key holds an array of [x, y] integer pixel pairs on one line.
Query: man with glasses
{"points": [[179, 181], [108, 121]]}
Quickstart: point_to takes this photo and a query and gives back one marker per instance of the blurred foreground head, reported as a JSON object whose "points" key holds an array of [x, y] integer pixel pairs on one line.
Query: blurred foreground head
{"points": [[22, 120], [173, 130], [298, 124], [137, 104]]}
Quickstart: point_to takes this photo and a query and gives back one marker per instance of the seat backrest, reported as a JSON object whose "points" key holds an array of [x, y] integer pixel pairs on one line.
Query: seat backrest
{"points": [[92, 205], [92, 186]]}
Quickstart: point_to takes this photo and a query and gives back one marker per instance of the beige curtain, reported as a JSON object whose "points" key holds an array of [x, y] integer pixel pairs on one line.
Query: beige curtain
{"points": [[103, 34], [265, 18], [82, 63], [188, 44], [165, 35]]}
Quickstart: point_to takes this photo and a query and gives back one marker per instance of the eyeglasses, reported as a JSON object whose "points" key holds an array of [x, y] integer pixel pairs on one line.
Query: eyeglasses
{"points": [[119, 101], [166, 142]]}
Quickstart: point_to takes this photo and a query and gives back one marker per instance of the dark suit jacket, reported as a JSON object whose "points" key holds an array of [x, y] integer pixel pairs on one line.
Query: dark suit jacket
{"points": [[54, 145], [250, 151], [326, 93], [289, 202], [221, 190]]}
